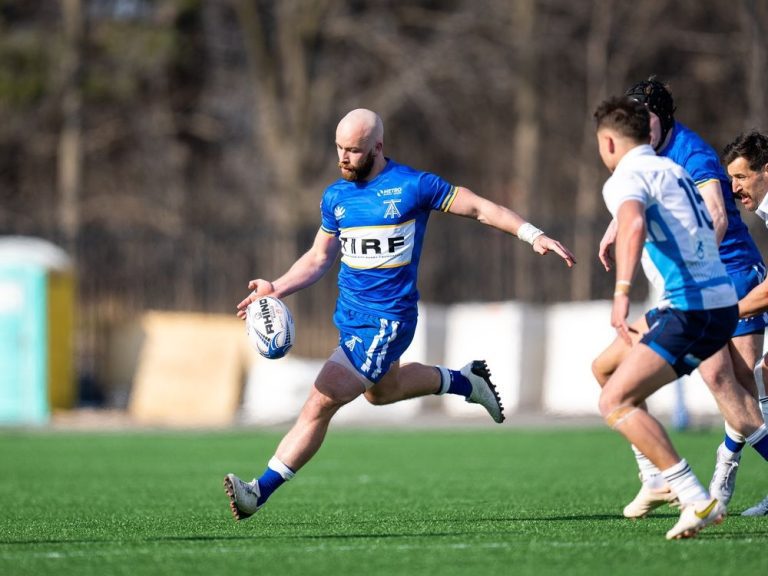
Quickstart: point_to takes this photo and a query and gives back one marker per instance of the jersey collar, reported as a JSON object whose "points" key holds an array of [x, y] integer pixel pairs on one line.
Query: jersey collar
{"points": [[641, 150], [762, 210]]}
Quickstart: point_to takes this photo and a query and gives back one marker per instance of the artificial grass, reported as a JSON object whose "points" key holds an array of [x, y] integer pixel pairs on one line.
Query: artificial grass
{"points": [[463, 501]]}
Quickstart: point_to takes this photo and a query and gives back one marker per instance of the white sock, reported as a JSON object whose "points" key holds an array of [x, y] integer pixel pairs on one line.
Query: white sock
{"points": [[277, 465], [764, 408], [761, 391], [757, 435], [683, 481], [734, 435], [445, 380], [650, 475]]}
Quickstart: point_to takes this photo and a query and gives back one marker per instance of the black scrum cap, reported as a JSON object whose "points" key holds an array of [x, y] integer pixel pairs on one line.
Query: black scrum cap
{"points": [[658, 99]]}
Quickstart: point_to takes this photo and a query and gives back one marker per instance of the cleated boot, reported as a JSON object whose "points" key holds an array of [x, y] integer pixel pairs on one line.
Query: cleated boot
{"points": [[483, 391], [243, 496]]}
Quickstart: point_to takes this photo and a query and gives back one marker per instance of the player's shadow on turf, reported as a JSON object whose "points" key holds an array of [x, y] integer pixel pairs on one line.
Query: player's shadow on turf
{"points": [[561, 518], [754, 531]]}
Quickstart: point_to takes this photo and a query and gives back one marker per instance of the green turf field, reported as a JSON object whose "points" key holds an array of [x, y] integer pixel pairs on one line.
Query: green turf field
{"points": [[470, 501]]}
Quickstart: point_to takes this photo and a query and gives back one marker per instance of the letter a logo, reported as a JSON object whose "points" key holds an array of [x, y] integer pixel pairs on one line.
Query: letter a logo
{"points": [[392, 211], [350, 343]]}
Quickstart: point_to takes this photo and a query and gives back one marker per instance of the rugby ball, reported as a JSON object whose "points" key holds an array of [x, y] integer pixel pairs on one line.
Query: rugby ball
{"points": [[270, 327]]}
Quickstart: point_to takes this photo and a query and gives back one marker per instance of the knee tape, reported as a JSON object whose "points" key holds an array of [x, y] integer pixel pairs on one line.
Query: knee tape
{"points": [[619, 415]]}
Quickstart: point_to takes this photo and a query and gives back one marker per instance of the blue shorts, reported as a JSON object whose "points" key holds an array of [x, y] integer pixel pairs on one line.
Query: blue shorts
{"points": [[744, 282], [684, 338], [372, 343]]}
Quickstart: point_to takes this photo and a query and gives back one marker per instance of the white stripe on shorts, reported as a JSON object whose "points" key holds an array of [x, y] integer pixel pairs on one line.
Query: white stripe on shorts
{"points": [[383, 353], [369, 353]]}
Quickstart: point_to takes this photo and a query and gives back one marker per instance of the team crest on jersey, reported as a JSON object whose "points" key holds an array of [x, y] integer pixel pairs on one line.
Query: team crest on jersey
{"points": [[391, 211], [351, 341], [339, 212]]}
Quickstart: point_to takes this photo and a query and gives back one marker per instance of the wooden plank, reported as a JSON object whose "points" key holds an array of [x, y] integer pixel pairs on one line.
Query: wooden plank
{"points": [[191, 370]]}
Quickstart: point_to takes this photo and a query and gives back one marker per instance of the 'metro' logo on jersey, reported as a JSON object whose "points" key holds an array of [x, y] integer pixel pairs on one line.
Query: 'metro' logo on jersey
{"points": [[377, 246]]}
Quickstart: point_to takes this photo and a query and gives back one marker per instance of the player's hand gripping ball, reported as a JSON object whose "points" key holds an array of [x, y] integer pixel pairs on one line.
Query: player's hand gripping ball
{"points": [[270, 327]]}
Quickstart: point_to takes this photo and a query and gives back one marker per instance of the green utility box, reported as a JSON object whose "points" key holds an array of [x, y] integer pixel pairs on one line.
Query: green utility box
{"points": [[37, 296]]}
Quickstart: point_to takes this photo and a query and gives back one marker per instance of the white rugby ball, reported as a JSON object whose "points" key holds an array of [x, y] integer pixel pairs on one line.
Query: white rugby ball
{"points": [[270, 327]]}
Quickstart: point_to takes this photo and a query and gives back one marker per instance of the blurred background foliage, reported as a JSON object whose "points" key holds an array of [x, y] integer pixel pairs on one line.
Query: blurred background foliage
{"points": [[179, 148]]}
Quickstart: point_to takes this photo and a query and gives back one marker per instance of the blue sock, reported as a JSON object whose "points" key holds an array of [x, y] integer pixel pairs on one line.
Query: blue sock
{"points": [[459, 384], [762, 447], [453, 382], [759, 441], [732, 444], [268, 483]]}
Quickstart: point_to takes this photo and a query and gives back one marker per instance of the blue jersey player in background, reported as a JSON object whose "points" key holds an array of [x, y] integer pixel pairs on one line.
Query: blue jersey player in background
{"points": [[729, 372], [375, 217]]}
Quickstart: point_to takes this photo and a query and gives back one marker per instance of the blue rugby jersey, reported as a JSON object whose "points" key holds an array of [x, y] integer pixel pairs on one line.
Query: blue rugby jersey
{"points": [[680, 251], [380, 225], [737, 249]]}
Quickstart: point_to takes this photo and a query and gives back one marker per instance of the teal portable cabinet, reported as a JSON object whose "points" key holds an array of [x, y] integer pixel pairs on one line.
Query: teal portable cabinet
{"points": [[36, 330]]}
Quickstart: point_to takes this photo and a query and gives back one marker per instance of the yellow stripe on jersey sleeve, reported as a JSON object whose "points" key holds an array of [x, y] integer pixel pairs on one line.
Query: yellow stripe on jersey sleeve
{"points": [[707, 181], [446, 205]]}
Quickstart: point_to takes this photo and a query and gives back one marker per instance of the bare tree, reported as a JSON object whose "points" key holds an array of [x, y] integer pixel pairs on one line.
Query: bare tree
{"points": [[587, 192], [753, 15], [70, 160], [187, 145], [527, 130]]}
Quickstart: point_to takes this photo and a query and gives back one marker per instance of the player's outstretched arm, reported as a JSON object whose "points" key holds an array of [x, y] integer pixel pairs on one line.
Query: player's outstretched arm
{"points": [[307, 270], [470, 205], [543, 244]]}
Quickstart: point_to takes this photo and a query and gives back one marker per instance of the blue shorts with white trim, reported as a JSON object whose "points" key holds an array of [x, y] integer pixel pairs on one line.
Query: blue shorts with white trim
{"points": [[372, 343], [744, 282], [685, 338]]}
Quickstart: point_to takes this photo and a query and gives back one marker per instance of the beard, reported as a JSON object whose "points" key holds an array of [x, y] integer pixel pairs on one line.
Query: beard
{"points": [[360, 172]]}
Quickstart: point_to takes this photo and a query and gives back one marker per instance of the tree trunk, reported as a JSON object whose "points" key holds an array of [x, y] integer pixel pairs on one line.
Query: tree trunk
{"points": [[755, 65], [588, 192], [70, 158], [526, 134]]}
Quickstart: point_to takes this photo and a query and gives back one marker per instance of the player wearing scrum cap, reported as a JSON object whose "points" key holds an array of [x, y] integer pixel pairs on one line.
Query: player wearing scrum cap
{"points": [[729, 372]]}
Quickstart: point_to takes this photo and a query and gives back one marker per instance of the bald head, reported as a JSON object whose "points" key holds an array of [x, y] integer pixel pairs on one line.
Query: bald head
{"points": [[362, 125], [360, 145]]}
